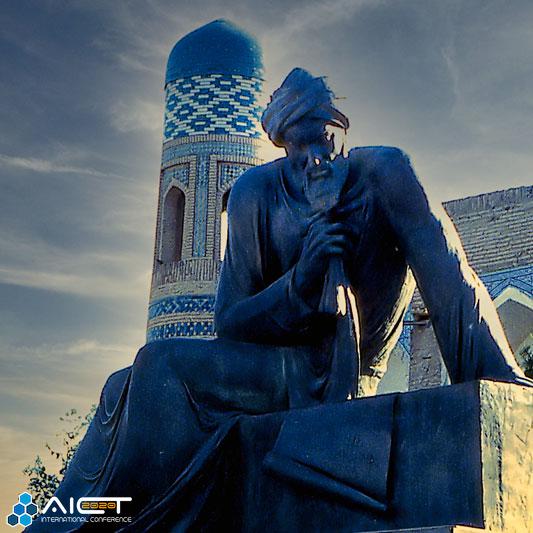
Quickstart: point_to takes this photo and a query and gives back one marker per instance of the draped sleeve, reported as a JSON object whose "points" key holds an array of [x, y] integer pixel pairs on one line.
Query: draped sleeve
{"points": [[467, 327]]}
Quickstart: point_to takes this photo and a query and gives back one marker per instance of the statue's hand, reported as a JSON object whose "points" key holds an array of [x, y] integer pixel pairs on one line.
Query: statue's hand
{"points": [[324, 239]]}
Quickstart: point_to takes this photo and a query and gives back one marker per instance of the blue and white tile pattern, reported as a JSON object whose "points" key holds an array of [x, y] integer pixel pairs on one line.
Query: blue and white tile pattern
{"points": [[213, 104]]}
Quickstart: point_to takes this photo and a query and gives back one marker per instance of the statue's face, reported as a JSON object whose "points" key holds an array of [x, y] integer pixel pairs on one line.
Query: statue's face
{"points": [[313, 142], [313, 145]]}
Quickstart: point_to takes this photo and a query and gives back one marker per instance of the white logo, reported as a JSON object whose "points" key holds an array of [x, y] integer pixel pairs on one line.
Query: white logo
{"points": [[91, 505]]}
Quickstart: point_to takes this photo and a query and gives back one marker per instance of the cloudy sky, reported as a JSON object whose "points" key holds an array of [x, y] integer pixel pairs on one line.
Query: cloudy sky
{"points": [[81, 107]]}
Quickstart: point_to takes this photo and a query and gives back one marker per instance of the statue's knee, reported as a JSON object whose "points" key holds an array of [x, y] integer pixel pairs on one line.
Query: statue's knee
{"points": [[149, 356], [116, 379]]}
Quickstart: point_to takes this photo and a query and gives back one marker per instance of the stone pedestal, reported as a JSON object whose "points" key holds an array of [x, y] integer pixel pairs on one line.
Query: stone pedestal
{"points": [[507, 456], [455, 458]]}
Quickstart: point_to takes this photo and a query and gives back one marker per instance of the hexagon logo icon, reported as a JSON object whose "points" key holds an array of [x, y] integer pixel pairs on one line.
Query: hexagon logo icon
{"points": [[31, 509], [23, 511], [18, 509], [25, 520], [25, 498]]}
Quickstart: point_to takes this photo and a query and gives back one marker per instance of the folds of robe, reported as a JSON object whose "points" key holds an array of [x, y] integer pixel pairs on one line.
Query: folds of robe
{"points": [[162, 424], [339, 452]]}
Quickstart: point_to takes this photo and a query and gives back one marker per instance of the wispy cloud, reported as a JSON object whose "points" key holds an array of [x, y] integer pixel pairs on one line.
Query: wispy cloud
{"points": [[448, 54], [318, 14], [50, 166], [139, 37], [131, 62], [63, 374], [94, 274], [95, 286], [68, 354], [137, 115], [137, 58]]}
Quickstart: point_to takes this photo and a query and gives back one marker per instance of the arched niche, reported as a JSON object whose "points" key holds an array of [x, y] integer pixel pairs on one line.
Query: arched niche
{"points": [[224, 224], [172, 226]]}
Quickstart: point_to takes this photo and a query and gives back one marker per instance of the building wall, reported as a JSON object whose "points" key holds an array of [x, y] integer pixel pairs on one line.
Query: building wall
{"points": [[183, 292]]}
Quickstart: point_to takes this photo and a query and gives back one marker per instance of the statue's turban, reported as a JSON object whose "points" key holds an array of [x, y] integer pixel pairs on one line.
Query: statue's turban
{"points": [[299, 95]]}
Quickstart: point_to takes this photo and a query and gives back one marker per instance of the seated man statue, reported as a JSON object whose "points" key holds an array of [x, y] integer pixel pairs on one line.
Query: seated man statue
{"points": [[313, 290], [292, 220]]}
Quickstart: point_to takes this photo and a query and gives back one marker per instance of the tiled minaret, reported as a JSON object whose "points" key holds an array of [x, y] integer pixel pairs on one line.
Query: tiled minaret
{"points": [[213, 83]]}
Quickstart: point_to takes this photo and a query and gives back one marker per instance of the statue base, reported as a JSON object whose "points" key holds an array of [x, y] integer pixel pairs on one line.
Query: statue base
{"points": [[455, 458]]}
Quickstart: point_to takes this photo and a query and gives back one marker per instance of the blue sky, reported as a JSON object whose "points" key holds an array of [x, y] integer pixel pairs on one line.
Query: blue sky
{"points": [[81, 108]]}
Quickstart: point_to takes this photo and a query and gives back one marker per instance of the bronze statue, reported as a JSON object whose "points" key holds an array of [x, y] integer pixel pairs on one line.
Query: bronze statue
{"points": [[313, 290], [290, 218]]}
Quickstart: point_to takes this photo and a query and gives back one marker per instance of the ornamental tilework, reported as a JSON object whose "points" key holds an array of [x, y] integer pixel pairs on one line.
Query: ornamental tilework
{"points": [[208, 165], [228, 173], [405, 337], [180, 173], [520, 278], [204, 328], [181, 304], [216, 161], [221, 145], [200, 207], [212, 104]]}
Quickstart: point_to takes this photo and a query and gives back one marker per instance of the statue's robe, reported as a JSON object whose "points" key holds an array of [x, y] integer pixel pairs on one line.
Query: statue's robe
{"points": [[162, 424], [396, 233]]}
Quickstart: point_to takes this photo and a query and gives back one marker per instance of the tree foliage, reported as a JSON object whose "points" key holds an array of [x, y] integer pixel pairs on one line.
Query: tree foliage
{"points": [[44, 481], [527, 356]]}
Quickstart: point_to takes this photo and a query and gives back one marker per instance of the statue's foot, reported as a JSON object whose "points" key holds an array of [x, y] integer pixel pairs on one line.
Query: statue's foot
{"points": [[524, 381], [517, 379], [506, 373]]}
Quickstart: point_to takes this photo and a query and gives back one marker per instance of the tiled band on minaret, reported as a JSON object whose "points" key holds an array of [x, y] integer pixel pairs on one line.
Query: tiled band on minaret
{"points": [[211, 136]]}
